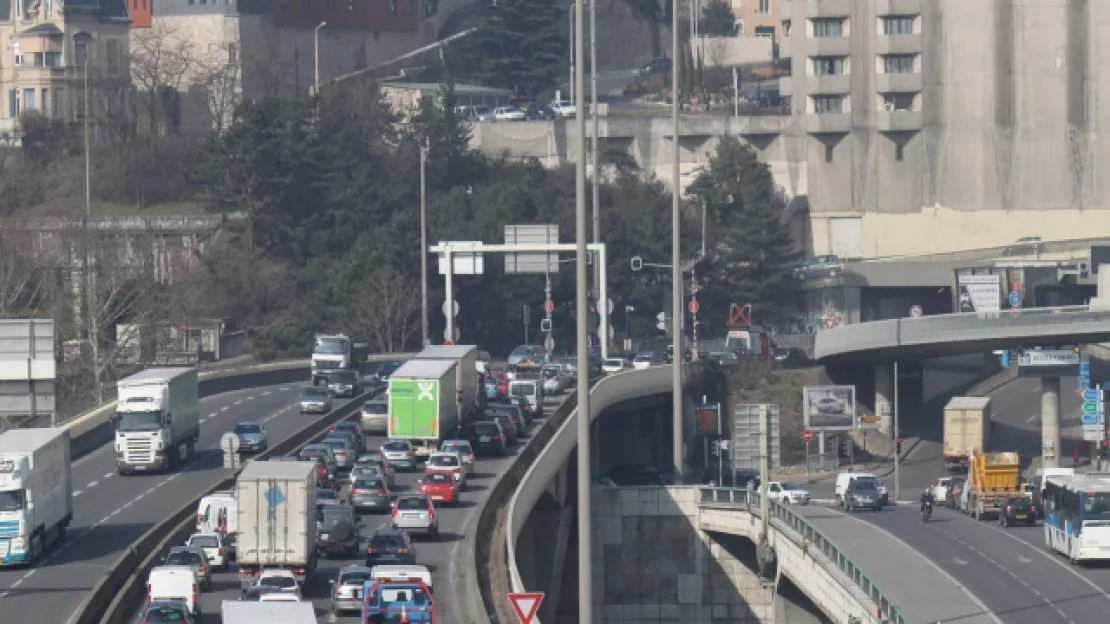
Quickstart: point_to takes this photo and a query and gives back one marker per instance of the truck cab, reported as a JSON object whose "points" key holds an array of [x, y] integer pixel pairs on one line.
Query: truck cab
{"points": [[36, 492], [331, 353], [156, 420], [398, 601]]}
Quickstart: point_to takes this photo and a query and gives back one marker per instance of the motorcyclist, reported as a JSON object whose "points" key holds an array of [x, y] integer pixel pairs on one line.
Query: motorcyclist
{"points": [[927, 499]]}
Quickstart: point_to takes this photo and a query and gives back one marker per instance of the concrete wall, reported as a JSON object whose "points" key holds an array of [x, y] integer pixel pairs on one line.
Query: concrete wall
{"points": [[651, 563]]}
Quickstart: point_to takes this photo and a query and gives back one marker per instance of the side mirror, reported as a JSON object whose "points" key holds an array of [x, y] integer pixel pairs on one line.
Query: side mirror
{"points": [[419, 481], [331, 581]]}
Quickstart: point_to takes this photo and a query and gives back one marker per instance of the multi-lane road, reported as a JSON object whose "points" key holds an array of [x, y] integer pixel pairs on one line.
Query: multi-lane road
{"points": [[111, 512], [440, 556]]}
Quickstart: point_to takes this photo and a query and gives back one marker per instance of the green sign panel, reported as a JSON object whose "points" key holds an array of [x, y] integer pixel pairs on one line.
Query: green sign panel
{"points": [[414, 408], [1092, 408]]}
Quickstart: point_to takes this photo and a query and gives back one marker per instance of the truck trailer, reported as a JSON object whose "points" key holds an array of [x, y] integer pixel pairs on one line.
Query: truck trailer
{"points": [[277, 519], [242, 612], [36, 493], [967, 428], [992, 480], [468, 380], [157, 419], [424, 404]]}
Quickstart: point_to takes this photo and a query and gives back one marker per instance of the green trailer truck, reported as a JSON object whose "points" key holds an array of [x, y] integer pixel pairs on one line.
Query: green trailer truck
{"points": [[424, 404]]}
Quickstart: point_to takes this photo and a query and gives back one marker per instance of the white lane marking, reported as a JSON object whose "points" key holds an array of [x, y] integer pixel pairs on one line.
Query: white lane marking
{"points": [[266, 393], [1032, 418], [284, 388], [225, 408], [77, 492], [202, 420], [92, 484], [212, 415], [17, 583], [239, 402], [250, 398], [108, 475]]}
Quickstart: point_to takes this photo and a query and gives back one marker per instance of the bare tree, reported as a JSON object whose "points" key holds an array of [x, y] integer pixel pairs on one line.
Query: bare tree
{"points": [[22, 280], [162, 61], [220, 81], [388, 304]]}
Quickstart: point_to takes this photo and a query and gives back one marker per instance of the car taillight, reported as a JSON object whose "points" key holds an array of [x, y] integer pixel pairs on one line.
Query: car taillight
{"points": [[371, 550], [203, 568], [1009, 508], [196, 594], [220, 552], [402, 551], [497, 437], [383, 492], [149, 596], [470, 457], [408, 453], [298, 570], [431, 514], [1032, 508]]}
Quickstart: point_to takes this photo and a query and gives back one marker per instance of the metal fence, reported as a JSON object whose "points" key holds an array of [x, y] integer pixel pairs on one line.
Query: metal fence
{"points": [[749, 502]]}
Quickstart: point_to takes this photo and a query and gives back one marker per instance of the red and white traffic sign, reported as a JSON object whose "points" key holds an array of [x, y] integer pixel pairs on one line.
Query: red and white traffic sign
{"points": [[693, 307], [448, 343], [526, 605], [549, 306], [808, 435], [916, 311]]}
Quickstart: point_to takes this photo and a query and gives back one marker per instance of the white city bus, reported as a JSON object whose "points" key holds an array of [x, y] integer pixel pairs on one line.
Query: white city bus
{"points": [[1077, 516]]}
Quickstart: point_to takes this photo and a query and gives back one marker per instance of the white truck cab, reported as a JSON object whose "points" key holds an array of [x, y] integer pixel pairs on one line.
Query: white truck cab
{"points": [[174, 583], [157, 419]]}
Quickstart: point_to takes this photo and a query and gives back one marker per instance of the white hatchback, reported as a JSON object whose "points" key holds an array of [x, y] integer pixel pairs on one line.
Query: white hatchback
{"points": [[940, 489], [213, 546]]}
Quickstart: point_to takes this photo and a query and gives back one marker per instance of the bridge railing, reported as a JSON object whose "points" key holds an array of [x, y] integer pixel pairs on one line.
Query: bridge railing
{"points": [[749, 502]]}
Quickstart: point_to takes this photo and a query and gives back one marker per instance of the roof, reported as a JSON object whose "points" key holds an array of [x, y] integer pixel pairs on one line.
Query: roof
{"points": [[961, 402], [41, 29], [446, 352], [157, 374], [109, 9], [25, 440], [423, 369], [300, 470], [435, 87], [242, 612], [1092, 482]]}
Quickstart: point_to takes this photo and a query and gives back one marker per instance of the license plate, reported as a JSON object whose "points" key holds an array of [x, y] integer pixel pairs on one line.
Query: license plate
{"points": [[1021, 516], [485, 439], [437, 497], [413, 515], [324, 536]]}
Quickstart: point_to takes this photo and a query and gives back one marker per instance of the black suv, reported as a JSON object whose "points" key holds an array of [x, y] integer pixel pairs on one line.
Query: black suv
{"points": [[338, 533], [862, 493], [487, 438]]}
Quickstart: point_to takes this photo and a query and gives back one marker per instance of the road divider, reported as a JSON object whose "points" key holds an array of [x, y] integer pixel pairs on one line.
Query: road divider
{"points": [[115, 597]]}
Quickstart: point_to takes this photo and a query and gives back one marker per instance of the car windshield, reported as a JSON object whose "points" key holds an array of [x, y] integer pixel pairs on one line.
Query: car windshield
{"points": [[368, 484], [866, 486], [313, 393], [313, 453], [387, 541], [443, 460], [460, 447], [164, 615], [523, 389], [437, 478], [368, 470], [183, 557], [789, 486], [281, 582], [550, 372], [243, 428], [331, 517], [1017, 501], [376, 407], [643, 358], [205, 541], [396, 446], [254, 594], [342, 377], [614, 362], [412, 504], [336, 445], [485, 428], [354, 578]]}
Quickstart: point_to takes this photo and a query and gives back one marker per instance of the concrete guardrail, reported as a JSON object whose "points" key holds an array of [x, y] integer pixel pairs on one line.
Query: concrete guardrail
{"points": [[93, 429], [115, 597]]}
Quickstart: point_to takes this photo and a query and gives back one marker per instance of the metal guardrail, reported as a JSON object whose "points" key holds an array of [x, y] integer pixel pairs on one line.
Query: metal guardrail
{"points": [[999, 251], [749, 501]]}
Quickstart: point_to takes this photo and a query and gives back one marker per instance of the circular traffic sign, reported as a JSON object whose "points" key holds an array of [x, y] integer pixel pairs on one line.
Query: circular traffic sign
{"points": [[1014, 298], [549, 306], [693, 307], [808, 435], [916, 311], [449, 343]]}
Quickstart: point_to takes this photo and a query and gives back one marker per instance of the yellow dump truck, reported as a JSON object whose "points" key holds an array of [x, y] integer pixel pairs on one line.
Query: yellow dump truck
{"points": [[993, 478]]}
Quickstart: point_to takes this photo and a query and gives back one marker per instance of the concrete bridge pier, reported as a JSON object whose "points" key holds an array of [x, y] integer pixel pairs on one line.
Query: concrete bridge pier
{"points": [[541, 552], [1050, 422], [884, 397]]}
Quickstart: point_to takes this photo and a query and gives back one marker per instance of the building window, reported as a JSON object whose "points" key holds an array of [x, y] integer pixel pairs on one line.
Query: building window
{"points": [[232, 54], [59, 105], [48, 9], [828, 65], [898, 25], [828, 104], [111, 48], [828, 27], [13, 104], [46, 102], [898, 102], [785, 28], [898, 64], [393, 5], [29, 100], [80, 50], [17, 56], [764, 7]]}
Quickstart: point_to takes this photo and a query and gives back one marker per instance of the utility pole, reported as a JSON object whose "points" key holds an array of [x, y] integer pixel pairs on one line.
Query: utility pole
{"points": [[694, 310], [677, 455], [426, 340], [602, 306], [316, 56]]}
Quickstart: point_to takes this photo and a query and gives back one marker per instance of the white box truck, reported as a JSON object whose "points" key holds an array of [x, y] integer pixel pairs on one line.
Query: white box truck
{"points": [[967, 429], [277, 519], [36, 492], [157, 419], [423, 404], [240, 612], [467, 378]]}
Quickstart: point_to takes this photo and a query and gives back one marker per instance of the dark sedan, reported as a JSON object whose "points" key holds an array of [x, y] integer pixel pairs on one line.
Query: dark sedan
{"points": [[1018, 511]]}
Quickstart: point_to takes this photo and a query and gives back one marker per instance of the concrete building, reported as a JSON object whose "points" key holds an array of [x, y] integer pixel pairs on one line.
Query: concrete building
{"points": [[759, 18], [46, 45]]}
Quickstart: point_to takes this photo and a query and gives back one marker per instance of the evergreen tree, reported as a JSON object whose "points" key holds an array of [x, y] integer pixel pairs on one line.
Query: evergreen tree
{"points": [[717, 20], [519, 46], [651, 13], [752, 259]]}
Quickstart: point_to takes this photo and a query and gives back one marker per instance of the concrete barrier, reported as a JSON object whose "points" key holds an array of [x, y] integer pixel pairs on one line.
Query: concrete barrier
{"points": [[93, 429], [114, 599]]}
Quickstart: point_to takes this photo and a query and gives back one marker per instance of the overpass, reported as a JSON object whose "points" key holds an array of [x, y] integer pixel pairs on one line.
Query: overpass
{"points": [[818, 557]]}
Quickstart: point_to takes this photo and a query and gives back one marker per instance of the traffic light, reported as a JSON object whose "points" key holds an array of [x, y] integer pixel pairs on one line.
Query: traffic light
{"points": [[1104, 449], [898, 445]]}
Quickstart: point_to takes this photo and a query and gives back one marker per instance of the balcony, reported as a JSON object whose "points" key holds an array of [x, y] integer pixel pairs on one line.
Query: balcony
{"points": [[898, 121], [784, 47], [898, 44], [897, 7], [786, 86], [827, 8], [898, 83], [829, 46], [830, 85], [32, 76], [829, 123]]}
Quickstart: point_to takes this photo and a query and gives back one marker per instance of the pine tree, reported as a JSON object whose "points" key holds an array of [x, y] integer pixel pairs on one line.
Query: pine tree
{"points": [[519, 46], [717, 20]]}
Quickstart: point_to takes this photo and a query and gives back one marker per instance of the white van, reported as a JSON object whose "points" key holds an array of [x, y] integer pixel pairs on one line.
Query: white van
{"points": [[530, 390], [218, 513], [174, 583], [402, 573], [844, 478]]}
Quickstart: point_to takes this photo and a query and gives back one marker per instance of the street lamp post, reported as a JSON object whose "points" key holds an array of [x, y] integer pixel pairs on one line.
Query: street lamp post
{"points": [[676, 259], [596, 158], [627, 325], [424, 244], [570, 52], [316, 56]]}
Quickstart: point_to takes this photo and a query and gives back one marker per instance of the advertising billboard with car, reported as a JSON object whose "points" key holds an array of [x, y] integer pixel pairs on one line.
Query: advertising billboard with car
{"points": [[829, 408]]}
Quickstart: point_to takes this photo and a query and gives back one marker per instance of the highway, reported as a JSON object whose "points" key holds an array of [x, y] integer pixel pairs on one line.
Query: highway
{"points": [[111, 512], [439, 556]]}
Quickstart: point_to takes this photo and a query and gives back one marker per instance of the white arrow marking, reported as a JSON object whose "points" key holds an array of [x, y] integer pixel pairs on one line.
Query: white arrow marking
{"points": [[959, 561], [1024, 559]]}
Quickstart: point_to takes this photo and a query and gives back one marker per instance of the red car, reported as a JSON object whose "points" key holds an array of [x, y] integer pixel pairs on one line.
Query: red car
{"points": [[502, 379], [440, 487]]}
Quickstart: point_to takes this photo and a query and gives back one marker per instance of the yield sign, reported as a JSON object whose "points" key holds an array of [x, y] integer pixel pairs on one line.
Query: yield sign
{"points": [[526, 604]]}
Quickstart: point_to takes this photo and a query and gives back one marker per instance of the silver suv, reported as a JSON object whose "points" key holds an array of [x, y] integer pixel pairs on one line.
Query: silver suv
{"points": [[346, 589], [415, 513]]}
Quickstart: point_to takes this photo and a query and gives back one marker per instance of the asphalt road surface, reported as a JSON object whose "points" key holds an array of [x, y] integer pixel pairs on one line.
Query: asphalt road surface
{"points": [[111, 512], [439, 556]]}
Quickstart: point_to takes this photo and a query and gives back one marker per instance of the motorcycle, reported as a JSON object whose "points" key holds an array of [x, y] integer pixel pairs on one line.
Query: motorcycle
{"points": [[926, 511]]}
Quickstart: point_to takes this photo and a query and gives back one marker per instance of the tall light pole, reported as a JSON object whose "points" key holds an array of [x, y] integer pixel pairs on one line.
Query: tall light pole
{"points": [[570, 51], [88, 149], [581, 233], [602, 306], [316, 56], [677, 313], [424, 243]]}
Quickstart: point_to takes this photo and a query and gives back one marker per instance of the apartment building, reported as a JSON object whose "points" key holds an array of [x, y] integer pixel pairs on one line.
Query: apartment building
{"points": [[47, 45], [759, 18]]}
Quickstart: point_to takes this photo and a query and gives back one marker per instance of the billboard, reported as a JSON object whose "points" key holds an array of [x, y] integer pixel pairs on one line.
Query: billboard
{"points": [[829, 408], [1048, 363], [708, 419], [980, 293], [745, 437]]}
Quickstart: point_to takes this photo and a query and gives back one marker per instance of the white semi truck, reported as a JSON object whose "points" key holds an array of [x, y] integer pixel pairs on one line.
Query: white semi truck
{"points": [[335, 352], [277, 519], [36, 493], [157, 419]]}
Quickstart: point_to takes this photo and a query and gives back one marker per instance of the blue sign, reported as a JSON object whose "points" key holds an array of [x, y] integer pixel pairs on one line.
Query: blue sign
{"points": [[1015, 298], [274, 498], [1092, 419], [1092, 394], [1085, 369]]}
